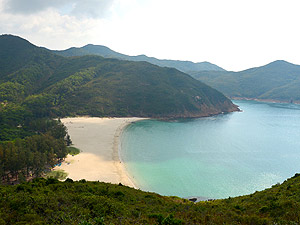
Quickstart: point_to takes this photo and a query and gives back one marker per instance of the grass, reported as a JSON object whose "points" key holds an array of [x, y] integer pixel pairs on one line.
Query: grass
{"points": [[73, 151], [57, 174]]}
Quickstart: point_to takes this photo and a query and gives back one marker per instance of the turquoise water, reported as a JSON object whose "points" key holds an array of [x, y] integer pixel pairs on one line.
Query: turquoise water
{"points": [[216, 157]]}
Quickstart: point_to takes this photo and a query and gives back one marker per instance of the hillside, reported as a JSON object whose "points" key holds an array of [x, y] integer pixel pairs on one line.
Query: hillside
{"points": [[278, 80], [53, 202], [93, 85], [184, 66]]}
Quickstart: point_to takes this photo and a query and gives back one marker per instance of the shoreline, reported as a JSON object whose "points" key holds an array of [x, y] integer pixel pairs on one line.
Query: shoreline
{"points": [[99, 140], [118, 149], [265, 100], [119, 163]]}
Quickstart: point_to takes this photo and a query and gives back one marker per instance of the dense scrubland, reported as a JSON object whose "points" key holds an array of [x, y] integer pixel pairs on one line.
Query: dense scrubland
{"points": [[48, 201]]}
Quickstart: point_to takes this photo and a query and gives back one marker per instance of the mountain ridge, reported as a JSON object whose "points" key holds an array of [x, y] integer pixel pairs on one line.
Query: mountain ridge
{"points": [[278, 81], [93, 85], [104, 51]]}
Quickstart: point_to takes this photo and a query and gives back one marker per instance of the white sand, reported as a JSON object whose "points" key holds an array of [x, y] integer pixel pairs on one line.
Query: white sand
{"points": [[98, 140]]}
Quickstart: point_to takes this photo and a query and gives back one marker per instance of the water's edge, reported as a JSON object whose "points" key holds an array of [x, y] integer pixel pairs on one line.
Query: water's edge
{"points": [[251, 166]]}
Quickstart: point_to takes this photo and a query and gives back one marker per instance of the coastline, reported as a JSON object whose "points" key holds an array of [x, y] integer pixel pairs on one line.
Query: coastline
{"points": [[264, 100], [119, 163], [99, 142], [117, 150]]}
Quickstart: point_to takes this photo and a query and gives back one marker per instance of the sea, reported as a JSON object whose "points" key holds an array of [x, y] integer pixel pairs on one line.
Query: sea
{"points": [[215, 157]]}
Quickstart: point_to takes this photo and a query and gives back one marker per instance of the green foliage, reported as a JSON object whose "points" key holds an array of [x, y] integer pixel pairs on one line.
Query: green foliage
{"points": [[122, 88], [73, 151], [28, 146], [10, 91], [68, 140], [52, 202], [29, 157], [13, 119], [57, 174], [53, 86], [279, 80], [40, 105], [169, 220]]}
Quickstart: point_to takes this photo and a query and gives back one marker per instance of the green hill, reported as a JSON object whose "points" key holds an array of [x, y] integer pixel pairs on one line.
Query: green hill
{"points": [[184, 66], [278, 80], [53, 202], [93, 85]]}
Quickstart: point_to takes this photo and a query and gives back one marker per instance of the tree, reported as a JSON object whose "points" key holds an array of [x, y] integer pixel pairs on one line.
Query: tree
{"points": [[68, 140]]}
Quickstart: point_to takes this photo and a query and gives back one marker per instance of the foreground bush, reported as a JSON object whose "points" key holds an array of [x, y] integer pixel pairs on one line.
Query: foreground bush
{"points": [[49, 201]]}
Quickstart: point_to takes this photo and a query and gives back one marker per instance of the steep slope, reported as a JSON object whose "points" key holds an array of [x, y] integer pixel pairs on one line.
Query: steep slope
{"points": [[28, 69], [184, 66], [278, 80], [24, 68], [17, 53], [124, 88], [92, 85]]}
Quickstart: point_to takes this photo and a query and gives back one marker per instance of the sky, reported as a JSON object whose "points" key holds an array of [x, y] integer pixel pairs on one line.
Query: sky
{"points": [[233, 34]]}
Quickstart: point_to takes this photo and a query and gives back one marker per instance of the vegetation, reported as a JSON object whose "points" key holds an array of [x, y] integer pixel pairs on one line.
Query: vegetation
{"points": [[184, 66], [91, 85], [278, 80], [48, 201], [22, 159], [73, 151], [37, 86], [122, 88], [57, 174], [30, 143]]}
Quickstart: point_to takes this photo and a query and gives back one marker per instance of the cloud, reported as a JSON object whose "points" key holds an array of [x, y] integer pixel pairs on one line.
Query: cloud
{"points": [[223, 32], [76, 8], [56, 24], [31, 6], [92, 8], [49, 28]]}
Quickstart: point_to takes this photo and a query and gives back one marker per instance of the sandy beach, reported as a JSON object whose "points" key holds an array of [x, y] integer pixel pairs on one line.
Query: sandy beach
{"points": [[98, 140]]}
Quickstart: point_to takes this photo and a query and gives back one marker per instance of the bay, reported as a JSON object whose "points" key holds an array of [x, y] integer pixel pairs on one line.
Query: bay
{"points": [[215, 157]]}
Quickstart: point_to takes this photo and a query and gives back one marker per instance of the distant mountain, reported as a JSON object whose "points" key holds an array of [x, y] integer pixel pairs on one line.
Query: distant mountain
{"points": [[93, 85], [184, 66], [279, 80]]}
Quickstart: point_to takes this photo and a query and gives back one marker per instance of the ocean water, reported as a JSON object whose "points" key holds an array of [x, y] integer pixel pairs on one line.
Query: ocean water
{"points": [[216, 157]]}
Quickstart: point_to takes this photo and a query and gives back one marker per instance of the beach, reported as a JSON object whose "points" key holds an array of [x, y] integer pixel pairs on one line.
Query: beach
{"points": [[98, 139]]}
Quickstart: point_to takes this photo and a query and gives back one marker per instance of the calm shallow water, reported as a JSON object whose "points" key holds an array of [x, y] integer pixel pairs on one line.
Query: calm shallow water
{"points": [[216, 157]]}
